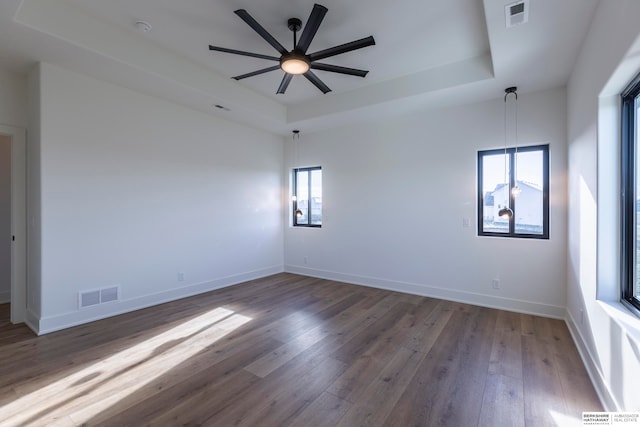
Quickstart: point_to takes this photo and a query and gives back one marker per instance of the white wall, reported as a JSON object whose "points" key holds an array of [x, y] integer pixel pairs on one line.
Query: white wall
{"points": [[395, 194], [606, 333], [34, 205], [13, 99], [136, 190], [5, 219]]}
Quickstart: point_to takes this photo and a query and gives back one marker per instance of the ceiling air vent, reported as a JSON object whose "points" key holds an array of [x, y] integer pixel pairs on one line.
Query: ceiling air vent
{"points": [[516, 13]]}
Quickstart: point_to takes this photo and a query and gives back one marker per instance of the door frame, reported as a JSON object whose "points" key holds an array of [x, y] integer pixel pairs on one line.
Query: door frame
{"points": [[18, 221]]}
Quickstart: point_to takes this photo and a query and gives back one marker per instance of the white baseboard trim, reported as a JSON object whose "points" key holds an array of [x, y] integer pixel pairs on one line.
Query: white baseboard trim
{"points": [[49, 324], [599, 384], [5, 297], [31, 320], [546, 310]]}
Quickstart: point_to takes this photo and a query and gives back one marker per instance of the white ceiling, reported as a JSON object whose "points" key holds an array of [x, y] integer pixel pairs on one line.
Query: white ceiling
{"points": [[428, 53]]}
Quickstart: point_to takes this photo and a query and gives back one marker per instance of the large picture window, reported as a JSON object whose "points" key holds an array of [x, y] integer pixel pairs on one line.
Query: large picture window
{"points": [[307, 197], [630, 221], [515, 180]]}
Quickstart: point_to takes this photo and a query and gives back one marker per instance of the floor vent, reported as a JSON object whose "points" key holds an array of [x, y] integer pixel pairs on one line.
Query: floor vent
{"points": [[98, 296], [516, 13]]}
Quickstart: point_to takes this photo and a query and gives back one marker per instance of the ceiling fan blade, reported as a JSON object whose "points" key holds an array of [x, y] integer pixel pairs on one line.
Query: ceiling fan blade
{"points": [[244, 15], [338, 69], [347, 47], [316, 81], [255, 73], [242, 52], [284, 84], [311, 27]]}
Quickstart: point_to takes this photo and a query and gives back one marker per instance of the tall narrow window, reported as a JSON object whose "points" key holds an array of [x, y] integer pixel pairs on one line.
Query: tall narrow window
{"points": [[307, 200], [630, 221], [499, 171]]}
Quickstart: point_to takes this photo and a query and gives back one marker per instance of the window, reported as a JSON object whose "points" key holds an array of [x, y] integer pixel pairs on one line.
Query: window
{"points": [[630, 201], [307, 197], [530, 206]]}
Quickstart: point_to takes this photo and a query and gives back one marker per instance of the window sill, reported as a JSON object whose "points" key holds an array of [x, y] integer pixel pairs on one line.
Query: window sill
{"points": [[624, 317]]}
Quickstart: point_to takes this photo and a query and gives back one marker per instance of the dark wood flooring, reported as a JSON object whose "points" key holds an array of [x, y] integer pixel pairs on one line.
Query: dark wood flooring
{"points": [[289, 350]]}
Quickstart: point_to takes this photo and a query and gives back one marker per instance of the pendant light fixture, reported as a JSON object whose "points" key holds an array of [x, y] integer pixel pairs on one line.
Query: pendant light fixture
{"points": [[296, 138], [506, 212]]}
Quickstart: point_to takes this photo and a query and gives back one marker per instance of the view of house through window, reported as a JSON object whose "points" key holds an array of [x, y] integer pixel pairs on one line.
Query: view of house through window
{"points": [[307, 200], [517, 180]]}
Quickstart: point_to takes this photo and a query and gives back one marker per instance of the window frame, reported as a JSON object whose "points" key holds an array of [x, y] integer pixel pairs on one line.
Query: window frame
{"points": [[510, 151], [295, 199], [628, 153]]}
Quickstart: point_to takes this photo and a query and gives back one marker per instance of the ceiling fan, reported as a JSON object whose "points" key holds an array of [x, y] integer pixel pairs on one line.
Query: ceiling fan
{"points": [[297, 61]]}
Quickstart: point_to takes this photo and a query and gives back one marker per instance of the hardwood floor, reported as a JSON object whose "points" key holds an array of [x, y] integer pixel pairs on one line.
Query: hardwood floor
{"points": [[289, 350]]}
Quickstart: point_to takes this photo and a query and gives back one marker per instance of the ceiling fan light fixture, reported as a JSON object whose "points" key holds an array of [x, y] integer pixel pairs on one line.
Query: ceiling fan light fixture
{"points": [[294, 64]]}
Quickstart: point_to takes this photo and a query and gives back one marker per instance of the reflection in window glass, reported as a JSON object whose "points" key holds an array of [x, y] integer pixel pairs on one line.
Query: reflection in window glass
{"points": [[496, 193], [529, 202]]}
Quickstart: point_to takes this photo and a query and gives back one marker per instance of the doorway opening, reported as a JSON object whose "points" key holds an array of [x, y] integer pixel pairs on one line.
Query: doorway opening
{"points": [[13, 219]]}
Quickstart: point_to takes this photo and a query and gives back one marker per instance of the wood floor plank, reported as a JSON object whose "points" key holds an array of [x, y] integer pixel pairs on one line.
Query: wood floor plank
{"points": [[502, 402], [506, 352], [359, 345], [281, 355], [379, 398], [430, 325], [572, 373], [388, 339], [289, 350], [182, 385], [446, 386], [325, 411], [543, 394], [202, 407], [287, 403]]}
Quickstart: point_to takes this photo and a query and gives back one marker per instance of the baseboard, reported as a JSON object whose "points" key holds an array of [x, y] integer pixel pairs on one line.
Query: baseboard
{"points": [[49, 324], [31, 320], [599, 384], [546, 310]]}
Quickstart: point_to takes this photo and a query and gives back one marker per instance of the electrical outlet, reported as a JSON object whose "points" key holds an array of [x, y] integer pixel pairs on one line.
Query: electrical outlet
{"points": [[305, 260], [495, 284], [181, 277], [466, 222]]}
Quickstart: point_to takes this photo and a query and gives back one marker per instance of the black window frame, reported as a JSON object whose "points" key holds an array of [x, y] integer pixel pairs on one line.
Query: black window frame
{"points": [[628, 153], [295, 200], [510, 151]]}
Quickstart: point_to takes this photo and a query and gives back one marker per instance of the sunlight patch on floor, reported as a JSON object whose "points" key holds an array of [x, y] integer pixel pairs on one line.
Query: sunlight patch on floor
{"points": [[95, 388], [564, 420]]}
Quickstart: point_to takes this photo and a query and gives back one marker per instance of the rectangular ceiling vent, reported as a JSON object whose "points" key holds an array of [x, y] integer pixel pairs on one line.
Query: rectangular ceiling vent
{"points": [[98, 296], [516, 13]]}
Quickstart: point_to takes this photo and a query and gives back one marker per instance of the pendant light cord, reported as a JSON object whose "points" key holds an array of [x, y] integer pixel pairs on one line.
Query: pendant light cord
{"points": [[515, 167], [508, 91], [505, 142]]}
